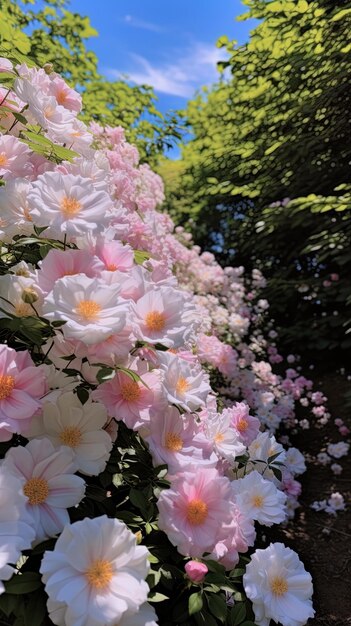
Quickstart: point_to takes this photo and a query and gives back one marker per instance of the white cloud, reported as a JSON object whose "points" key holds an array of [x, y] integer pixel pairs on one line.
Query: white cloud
{"points": [[136, 23], [186, 72]]}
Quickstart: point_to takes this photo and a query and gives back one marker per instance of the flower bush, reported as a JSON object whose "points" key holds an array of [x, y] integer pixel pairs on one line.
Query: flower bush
{"points": [[141, 390]]}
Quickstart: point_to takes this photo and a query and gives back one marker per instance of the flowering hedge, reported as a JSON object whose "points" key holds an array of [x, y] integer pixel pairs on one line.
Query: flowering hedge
{"points": [[137, 394]]}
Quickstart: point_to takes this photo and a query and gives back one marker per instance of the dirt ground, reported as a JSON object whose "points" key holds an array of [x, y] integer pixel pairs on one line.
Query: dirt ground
{"points": [[323, 541]]}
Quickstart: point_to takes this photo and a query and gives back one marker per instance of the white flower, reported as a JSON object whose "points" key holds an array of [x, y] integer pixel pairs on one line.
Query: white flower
{"points": [[338, 450], [295, 461], [97, 571], [146, 616], [68, 204], [79, 426], [261, 449], [259, 499], [279, 587], [92, 311], [223, 436], [16, 293], [15, 216], [185, 383], [48, 482], [16, 526]]}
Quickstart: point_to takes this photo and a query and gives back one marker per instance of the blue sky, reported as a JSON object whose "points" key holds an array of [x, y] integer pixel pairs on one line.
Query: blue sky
{"points": [[169, 45]]}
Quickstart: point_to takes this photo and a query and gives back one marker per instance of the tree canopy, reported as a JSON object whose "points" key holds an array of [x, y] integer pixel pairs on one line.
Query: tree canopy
{"points": [[266, 174], [51, 34]]}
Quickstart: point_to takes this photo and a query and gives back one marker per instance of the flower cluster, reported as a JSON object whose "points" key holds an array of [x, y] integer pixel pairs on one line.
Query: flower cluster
{"points": [[109, 362]]}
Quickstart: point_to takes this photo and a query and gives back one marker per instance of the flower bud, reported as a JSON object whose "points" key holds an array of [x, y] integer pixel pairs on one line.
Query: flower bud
{"points": [[29, 295], [48, 68], [196, 571]]}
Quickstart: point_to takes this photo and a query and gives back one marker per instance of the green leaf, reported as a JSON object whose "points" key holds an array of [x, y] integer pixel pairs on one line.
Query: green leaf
{"points": [[23, 583], [105, 374], [157, 597], [238, 614], [217, 606], [195, 603], [140, 256]]}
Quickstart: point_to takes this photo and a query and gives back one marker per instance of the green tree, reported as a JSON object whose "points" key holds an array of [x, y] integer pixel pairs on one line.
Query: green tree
{"points": [[49, 33], [278, 128]]}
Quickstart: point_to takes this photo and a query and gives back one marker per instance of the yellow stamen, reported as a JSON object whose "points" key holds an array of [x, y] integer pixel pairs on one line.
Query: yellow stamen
{"points": [[279, 586], [7, 384], [219, 438], [88, 309], [70, 207], [111, 267], [197, 512], [155, 321], [3, 159], [71, 436], [182, 385], [173, 442], [130, 391], [61, 97], [242, 425], [257, 501], [36, 489], [99, 574], [23, 310]]}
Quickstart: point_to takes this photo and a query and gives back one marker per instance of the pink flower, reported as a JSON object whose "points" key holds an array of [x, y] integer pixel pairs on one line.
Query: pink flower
{"points": [[114, 255], [175, 439], [195, 510], [21, 386], [14, 157], [196, 571], [163, 315], [129, 400], [245, 425], [65, 95], [48, 482], [60, 263]]}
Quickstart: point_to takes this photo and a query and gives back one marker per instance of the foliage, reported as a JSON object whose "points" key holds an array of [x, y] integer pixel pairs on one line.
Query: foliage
{"points": [[54, 35], [275, 127]]}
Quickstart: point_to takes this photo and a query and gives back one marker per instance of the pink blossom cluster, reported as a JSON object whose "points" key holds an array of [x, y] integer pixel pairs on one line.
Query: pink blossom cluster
{"points": [[159, 338]]}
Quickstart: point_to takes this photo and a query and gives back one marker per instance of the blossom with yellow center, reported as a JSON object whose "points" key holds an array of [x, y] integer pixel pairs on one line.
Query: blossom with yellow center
{"points": [[7, 384], [173, 442], [22, 309], [182, 385], [88, 310], [71, 436], [155, 321], [242, 425], [197, 512], [130, 391], [279, 585], [257, 501], [219, 438], [36, 490], [70, 207], [99, 574]]}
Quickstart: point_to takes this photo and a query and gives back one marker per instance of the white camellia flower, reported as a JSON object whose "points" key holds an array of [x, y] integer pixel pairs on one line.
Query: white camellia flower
{"points": [[97, 572], [68, 422], [68, 205], [91, 309], [259, 499], [279, 587]]}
